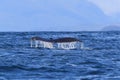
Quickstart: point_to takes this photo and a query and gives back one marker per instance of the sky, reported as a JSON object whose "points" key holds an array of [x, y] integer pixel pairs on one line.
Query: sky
{"points": [[58, 15]]}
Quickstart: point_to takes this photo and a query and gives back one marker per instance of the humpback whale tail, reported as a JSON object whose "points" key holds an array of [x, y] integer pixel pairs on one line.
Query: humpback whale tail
{"points": [[62, 43]]}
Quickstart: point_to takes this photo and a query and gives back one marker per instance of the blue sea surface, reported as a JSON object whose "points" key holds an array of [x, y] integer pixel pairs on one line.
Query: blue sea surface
{"points": [[18, 61]]}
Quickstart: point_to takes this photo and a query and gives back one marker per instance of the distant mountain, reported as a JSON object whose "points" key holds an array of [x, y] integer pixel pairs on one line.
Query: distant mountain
{"points": [[111, 28]]}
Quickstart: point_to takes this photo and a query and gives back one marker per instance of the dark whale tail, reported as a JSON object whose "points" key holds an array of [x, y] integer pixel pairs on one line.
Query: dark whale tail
{"points": [[65, 43]]}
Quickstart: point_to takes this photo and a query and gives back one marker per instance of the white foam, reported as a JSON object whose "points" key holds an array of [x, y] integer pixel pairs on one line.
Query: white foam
{"points": [[71, 64], [85, 48]]}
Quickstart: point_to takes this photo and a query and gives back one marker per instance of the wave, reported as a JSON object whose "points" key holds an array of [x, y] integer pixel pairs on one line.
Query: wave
{"points": [[28, 68]]}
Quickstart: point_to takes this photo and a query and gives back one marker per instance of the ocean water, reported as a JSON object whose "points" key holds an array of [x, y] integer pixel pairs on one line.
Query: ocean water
{"points": [[18, 61]]}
